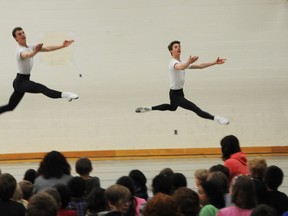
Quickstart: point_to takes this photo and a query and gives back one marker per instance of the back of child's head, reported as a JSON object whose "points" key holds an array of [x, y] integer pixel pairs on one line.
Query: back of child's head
{"points": [[221, 168], [264, 210], [27, 189], [42, 204], [96, 200], [83, 166], [161, 204], [138, 177], [127, 182], [65, 194], [243, 192], [7, 186], [273, 177], [162, 183], [187, 200], [257, 167], [30, 175], [55, 194], [117, 194], [200, 176], [77, 187], [178, 180]]}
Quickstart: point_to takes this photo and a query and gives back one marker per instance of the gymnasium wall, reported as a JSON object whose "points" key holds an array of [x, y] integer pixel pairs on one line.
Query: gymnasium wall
{"points": [[119, 62]]}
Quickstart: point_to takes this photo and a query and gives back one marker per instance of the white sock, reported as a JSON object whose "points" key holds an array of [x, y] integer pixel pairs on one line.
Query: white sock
{"points": [[65, 94]]}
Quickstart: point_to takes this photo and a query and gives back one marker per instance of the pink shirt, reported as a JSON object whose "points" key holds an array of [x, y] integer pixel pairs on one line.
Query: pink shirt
{"points": [[139, 202], [234, 211]]}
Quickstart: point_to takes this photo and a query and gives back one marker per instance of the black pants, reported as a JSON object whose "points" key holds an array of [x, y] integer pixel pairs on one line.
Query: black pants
{"points": [[22, 84], [177, 99]]}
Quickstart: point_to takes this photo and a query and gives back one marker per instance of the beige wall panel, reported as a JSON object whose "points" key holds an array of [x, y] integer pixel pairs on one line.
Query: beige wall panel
{"points": [[121, 52]]}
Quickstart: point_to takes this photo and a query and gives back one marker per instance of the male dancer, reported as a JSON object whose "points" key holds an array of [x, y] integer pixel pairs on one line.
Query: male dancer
{"points": [[22, 83], [177, 78]]}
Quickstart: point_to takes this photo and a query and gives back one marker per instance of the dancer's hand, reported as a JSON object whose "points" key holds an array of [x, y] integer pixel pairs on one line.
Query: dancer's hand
{"points": [[38, 48], [67, 43], [220, 61], [192, 59]]}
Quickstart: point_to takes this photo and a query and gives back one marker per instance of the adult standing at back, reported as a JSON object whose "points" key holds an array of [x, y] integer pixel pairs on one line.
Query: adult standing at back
{"points": [[234, 159], [53, 169]]}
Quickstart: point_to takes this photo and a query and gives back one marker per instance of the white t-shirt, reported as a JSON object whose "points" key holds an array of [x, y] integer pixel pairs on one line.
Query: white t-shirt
{"points": [[24, 66], [177, 77]]}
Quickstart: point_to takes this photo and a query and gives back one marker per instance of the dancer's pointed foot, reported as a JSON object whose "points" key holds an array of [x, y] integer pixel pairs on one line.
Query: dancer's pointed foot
{"points": [[143, 109], [70, 96], [221, 120]]}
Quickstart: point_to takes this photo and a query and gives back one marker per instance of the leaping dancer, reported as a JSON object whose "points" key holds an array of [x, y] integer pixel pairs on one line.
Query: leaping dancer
{"points": [[22, 82], [177, 77]]}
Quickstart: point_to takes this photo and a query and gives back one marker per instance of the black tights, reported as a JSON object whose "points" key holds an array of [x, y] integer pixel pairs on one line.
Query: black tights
{"points": [[23, 84], [177, 99]]}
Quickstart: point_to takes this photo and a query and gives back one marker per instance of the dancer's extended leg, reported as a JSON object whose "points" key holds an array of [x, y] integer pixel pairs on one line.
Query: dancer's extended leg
{"points": [[13, 102], [22, 83]]}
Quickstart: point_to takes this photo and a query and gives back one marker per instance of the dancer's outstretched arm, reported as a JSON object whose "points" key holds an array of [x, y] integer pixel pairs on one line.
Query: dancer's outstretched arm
{"points": [[208, 64], [65, 43]]}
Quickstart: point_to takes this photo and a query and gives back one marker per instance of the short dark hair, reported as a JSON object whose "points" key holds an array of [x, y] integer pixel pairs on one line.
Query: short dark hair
{"points": [[7, 186], [263, 210], [221, 168], [162, 184], [128, 182], [14, 31], [273, 177], [96, 200], [30, 175], [170, 46], [178, 180], [83, 166], [77, 187]]}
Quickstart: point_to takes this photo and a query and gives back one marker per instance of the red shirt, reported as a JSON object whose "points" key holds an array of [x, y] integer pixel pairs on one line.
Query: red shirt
{"points": [[237, 165], [67, 212]]}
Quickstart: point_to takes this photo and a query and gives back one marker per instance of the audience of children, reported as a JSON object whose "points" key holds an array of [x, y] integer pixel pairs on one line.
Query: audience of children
{"points": [[238, 187]]}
